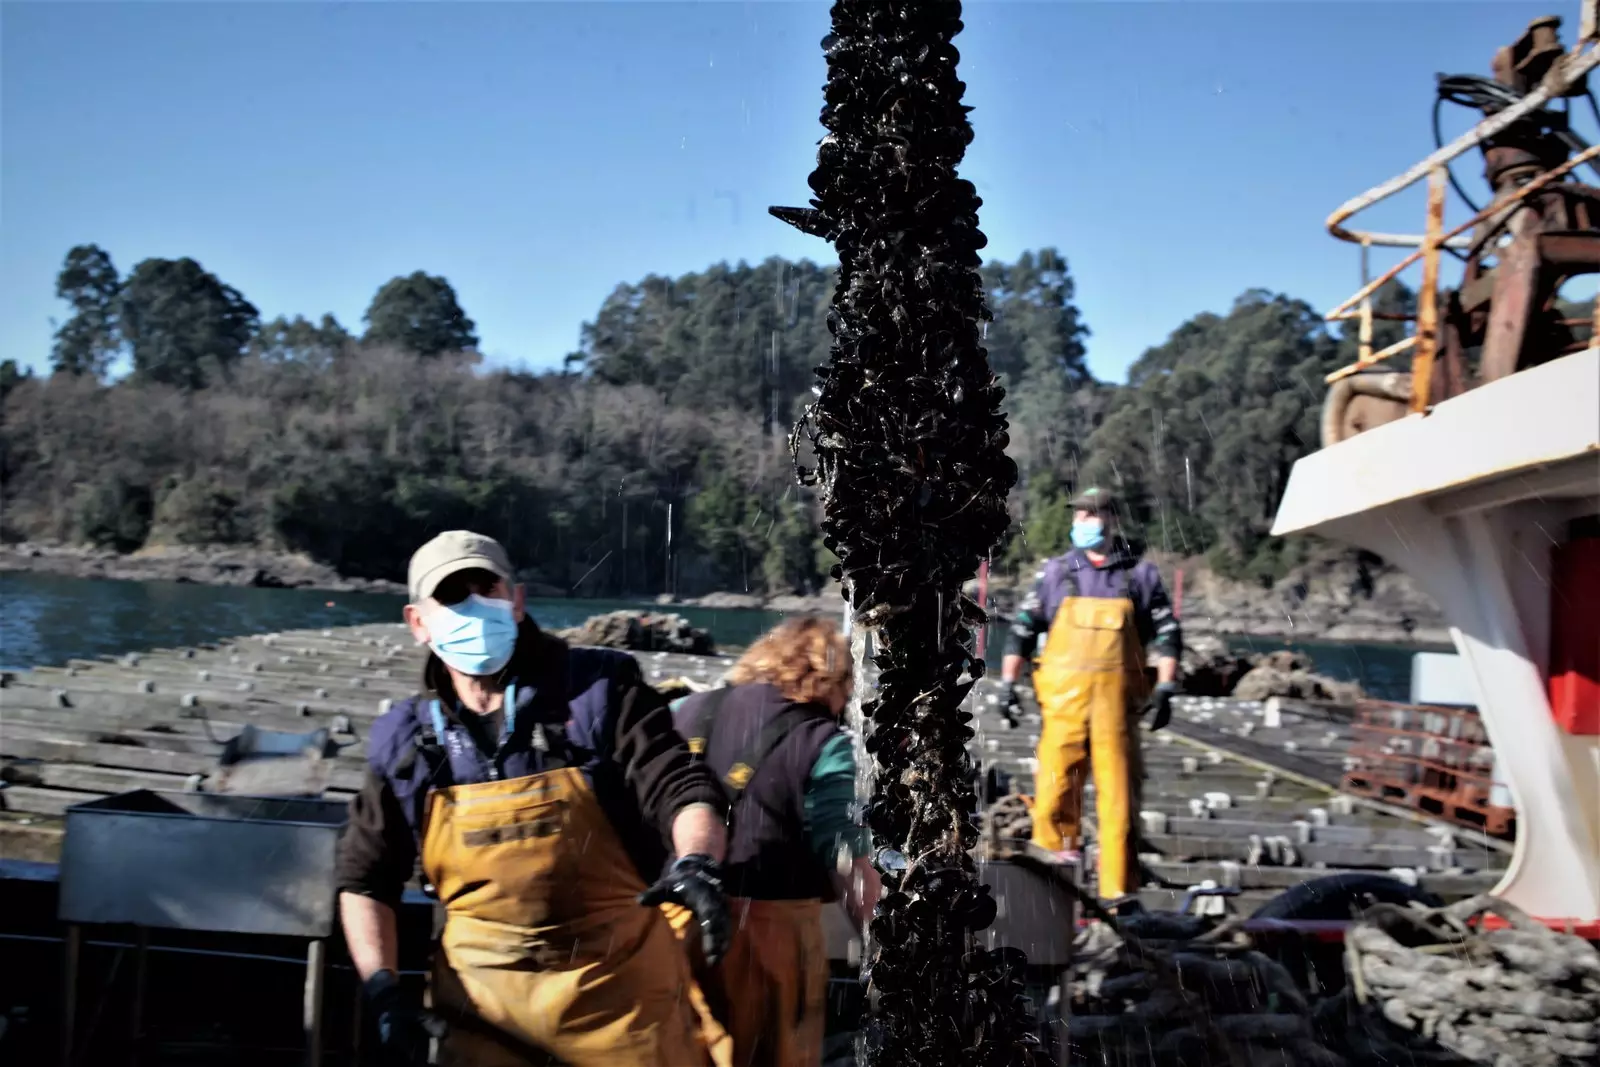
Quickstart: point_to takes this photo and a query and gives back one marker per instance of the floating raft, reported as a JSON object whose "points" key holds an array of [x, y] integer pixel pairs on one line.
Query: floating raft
{"points": [[1237, 794]]}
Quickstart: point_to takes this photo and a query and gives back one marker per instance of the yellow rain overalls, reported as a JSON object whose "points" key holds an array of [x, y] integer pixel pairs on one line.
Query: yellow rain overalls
{"points": [[1090, 681], [767, 1000], [546, 951]]}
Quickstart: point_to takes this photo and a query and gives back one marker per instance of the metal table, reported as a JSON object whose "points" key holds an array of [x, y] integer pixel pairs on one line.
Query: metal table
{"points": [[202, 862]]}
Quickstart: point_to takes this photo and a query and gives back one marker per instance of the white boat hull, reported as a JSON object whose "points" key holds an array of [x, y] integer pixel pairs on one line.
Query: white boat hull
{"points": [[1469, 500]]}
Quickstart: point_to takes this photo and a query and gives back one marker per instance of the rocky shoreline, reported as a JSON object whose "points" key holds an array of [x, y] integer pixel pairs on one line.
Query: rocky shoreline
{"points": [[264, 569], [201, 565], [1339, 600]]}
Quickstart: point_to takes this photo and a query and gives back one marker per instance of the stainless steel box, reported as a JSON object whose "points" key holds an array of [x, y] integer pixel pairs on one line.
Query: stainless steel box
{"points": [[198, 861]]}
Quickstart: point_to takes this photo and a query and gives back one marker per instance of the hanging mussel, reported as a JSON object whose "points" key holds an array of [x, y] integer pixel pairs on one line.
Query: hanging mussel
{"points": [[910, 444]]}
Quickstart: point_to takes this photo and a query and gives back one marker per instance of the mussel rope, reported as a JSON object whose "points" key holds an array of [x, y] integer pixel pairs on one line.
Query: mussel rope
{"points": [[910, 456]]}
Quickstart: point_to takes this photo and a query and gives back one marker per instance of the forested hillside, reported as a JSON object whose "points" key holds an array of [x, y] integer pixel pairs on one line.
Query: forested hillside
{"points": [[175, 416]]}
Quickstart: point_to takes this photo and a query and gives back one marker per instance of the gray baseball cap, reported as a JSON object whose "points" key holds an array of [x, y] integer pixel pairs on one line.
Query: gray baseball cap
{"points": [[450, 552], [1095, 499]]}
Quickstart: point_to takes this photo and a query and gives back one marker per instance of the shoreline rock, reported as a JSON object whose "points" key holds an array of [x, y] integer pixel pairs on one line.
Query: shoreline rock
{"points": [[642, 631], [1291, 674], [828, 602]]}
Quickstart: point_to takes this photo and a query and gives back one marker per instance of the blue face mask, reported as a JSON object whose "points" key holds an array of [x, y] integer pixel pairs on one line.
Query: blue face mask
{"points": [[1089, 534], [475, 636]]}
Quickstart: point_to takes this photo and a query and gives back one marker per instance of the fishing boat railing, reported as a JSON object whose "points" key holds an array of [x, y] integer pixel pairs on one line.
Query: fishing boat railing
{"points": [[1423, 342]]}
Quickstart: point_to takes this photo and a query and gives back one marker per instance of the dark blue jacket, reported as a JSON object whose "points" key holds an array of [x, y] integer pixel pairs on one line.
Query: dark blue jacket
{"points": [[583, 707], [1122, 574]]}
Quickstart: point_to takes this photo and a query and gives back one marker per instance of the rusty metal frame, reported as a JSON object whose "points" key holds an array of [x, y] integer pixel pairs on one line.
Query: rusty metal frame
{"points": [[1428, 253], [1506, 206], [1428, 298], [1425, 340], [1577, 63]]}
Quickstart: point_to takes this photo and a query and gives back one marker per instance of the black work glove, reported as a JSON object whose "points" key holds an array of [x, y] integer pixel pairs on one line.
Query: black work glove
{"points": [[1011, 710], [694, 882], [1160, 705], [404, 1029]]}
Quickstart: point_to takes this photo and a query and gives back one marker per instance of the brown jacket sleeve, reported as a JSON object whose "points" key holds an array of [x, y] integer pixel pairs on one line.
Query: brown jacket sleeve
{"points": [[655, 760], [377, 854]]}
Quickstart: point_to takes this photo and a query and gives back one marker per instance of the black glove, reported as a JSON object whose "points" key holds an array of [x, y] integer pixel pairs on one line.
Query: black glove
{"points": [[1160, 704], [1011, 709], [403, 1028], [694, 882]]}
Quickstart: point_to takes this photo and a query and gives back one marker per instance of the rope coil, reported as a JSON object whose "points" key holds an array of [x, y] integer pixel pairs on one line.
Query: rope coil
{"points": [[1519, 996]]}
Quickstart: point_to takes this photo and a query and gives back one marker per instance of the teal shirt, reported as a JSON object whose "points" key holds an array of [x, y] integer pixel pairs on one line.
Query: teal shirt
{"points": [[830, 794]]}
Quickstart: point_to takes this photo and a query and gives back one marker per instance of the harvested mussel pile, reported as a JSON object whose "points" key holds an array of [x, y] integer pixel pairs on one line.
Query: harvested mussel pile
{"points": [[1436, 988], [910, 454], [1166, 990]]}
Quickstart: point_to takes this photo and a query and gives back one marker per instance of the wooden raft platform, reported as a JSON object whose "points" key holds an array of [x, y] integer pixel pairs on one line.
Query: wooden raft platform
{"points": [[1238, 794]]}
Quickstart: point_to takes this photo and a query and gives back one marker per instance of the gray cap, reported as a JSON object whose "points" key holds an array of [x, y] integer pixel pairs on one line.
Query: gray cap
{"points": [[452, 551], [1095, 499]]}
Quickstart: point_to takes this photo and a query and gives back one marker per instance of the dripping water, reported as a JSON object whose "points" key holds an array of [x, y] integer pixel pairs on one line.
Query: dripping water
{"points": [[856, 717]]}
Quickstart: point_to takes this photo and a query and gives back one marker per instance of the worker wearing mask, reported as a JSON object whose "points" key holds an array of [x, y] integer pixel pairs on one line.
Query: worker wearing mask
{"points": [[1101, 611], [540, 786], [773, 736]]}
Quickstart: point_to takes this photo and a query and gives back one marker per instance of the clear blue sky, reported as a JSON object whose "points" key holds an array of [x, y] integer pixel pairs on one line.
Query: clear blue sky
{"points": [[537, 154]]}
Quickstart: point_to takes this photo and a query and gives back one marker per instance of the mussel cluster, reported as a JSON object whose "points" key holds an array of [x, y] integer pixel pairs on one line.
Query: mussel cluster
{"points": [[910, 454]]}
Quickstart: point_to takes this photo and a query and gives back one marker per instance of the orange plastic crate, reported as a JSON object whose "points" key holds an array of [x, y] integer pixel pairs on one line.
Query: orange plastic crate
{"points": [[1435, 760]]}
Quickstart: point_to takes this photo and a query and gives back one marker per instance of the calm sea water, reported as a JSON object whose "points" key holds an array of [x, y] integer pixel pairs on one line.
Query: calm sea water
{"points": [[45, 619]]}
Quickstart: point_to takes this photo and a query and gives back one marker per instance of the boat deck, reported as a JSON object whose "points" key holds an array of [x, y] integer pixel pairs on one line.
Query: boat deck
{"points": [[1237, 794]]}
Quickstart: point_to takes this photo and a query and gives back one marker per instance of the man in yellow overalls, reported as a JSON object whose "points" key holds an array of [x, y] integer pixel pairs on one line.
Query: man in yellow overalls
{"points": [[1102, 612], [540, 786]]}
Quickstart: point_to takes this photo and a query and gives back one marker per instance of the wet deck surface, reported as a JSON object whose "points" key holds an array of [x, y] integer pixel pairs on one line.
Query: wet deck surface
{"points": [[1233, 795]]}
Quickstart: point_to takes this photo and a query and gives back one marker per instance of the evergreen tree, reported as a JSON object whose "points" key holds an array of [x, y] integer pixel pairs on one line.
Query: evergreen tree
{"points": [[87, 342], [419, 313], [183, 325]]}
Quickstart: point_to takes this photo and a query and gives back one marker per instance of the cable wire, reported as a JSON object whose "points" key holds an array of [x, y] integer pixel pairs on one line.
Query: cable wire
{"points": [[1490, 97]]}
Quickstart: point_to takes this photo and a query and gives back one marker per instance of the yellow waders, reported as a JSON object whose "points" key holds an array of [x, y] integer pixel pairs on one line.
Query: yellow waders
{"points": [[768, 997], [546, 951], [1090, 682]]}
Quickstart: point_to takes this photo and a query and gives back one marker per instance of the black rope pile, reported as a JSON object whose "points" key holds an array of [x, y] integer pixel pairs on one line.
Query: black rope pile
{"points": [[910, 445], [1163, 990]]}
